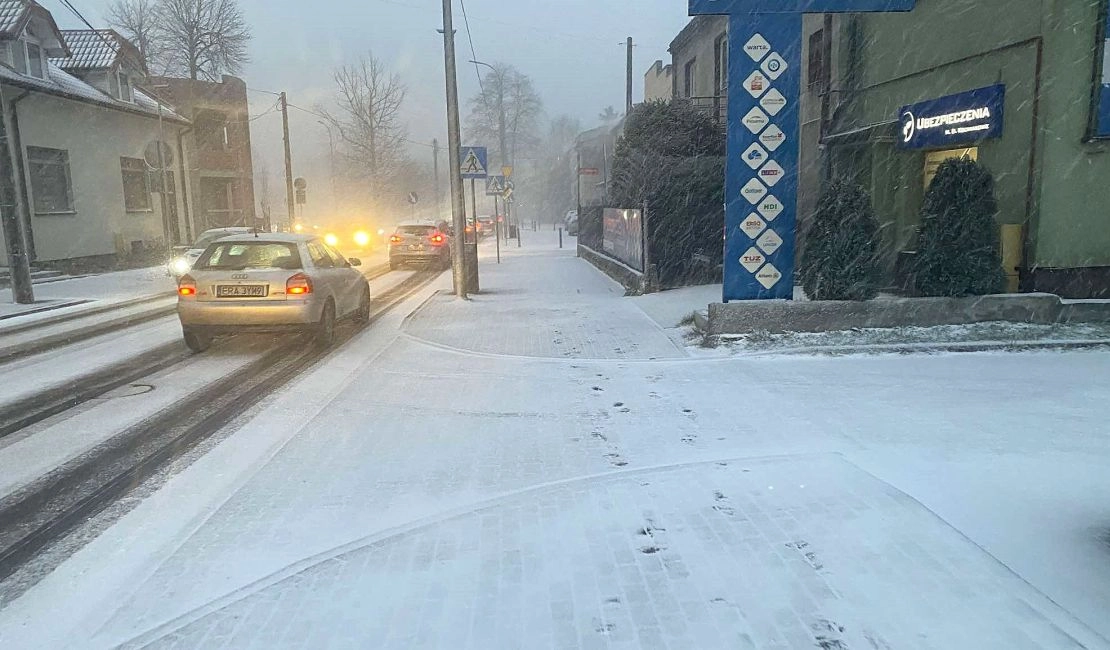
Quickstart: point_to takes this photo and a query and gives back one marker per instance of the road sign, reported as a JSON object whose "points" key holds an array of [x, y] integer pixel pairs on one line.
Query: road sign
{"points": [[588, 171], [300, 183], [301, 197], [507, 171], [414, 198], [473, 161], [763, 129], [508, 193], [495, 185]]}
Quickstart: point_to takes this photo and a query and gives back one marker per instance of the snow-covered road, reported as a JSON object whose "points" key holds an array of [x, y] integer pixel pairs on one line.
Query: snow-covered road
{"points": [[586, 483]]}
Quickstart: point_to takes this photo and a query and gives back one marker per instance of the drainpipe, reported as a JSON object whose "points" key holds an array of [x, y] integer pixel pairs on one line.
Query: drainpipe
{"points": [[184, 183], [12, 206]]}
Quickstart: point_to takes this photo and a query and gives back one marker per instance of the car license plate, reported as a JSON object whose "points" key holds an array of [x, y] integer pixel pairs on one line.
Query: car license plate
{"points": [[416, 247], [242, 291]]}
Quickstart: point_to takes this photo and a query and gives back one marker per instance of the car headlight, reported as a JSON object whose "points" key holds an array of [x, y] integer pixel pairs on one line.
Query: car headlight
{"points": [[362, 239], [331, 240], [180, 265], [381, 232], [298, 227]]}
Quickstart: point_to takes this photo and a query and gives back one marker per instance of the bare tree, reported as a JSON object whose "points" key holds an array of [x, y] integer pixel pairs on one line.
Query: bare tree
{"points": [[505, 115], [138, 21], [202, 38], [367, 118]]}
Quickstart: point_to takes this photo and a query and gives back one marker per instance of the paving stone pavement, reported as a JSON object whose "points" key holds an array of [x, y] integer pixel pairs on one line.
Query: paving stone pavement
{"points": [[544, 303], [788, 552]]}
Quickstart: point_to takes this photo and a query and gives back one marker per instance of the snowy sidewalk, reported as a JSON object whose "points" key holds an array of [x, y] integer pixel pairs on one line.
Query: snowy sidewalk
{"points": [[75, 295], [429, 489], [542, 301]]}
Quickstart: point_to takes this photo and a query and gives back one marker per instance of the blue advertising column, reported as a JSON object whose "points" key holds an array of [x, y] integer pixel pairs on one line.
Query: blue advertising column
{"points": [[761, 184]]}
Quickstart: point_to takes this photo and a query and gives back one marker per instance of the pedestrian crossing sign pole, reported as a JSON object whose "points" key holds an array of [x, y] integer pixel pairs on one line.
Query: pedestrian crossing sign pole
{"points": [[761, 181]]}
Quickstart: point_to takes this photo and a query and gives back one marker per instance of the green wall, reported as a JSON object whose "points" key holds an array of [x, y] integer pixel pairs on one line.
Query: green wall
{"points": [[950, 46]]}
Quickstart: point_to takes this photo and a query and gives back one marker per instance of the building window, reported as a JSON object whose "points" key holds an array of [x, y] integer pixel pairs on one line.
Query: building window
{"points": [[212, 131], [818, 76], [689, 80], [720, 66], [136, 185], [19, 57], [34, 61], [50, 181], [124, 86]]}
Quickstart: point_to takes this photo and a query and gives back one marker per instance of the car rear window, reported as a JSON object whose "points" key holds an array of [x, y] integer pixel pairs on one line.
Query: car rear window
{"points": [[250, 255], [416, 230]]}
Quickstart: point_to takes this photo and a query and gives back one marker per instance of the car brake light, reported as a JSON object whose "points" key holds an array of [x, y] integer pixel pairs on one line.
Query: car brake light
{"points": [[186, 286], [438, 239], [396, 239], [298, 285]]}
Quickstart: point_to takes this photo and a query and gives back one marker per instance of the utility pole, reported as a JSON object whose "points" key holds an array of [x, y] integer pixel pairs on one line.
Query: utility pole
{"points": [[19, 265], [435, 172], [454, 144], [628, 80], [290, 205]]}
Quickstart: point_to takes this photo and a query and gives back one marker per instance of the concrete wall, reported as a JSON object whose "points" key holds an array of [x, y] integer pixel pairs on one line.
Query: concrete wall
{"points": [[95, 138], [658, 82]]}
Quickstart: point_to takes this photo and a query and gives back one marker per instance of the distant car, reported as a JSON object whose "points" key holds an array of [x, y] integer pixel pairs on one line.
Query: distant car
{"points": [[571, 222], [419, 242], [183, 256], [485, 226], [270, 282]]}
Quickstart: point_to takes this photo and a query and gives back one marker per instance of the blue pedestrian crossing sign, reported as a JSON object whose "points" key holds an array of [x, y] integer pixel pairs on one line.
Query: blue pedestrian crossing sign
{"points": [[495, 185], [473, 162]]}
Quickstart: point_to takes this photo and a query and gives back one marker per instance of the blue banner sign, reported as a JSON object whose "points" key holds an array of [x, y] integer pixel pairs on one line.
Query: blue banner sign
{"points": [[761, 179], [955, 120], [1102, 123]]}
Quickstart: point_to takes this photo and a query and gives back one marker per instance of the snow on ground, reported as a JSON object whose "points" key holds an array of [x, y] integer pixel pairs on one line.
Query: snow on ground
{"points": [[414, 493], [99, 289]]}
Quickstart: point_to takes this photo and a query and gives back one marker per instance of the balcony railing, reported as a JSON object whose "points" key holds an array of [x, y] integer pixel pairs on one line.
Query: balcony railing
{"points": [[715, 106]]}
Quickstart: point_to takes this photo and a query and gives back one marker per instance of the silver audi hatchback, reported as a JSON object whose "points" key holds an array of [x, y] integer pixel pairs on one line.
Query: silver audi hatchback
{"points": [[270, 282]]}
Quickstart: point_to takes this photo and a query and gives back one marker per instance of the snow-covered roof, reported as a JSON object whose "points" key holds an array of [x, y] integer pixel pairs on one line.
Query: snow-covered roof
{"points": [[60, 83], [11, 14], [15, 16], [95, 49]]}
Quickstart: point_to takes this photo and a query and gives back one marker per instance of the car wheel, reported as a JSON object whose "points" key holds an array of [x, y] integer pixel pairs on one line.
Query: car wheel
{"points": [[362, 314], [325, 329], [197, 341]]}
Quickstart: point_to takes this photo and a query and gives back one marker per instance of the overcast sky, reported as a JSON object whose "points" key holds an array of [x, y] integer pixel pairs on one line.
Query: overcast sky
{"points": [[572, 49]]}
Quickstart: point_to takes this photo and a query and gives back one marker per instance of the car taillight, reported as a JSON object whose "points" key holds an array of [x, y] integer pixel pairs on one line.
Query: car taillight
{"points": [[396, 239], [186, 286], [438, 239], [298, 285]]}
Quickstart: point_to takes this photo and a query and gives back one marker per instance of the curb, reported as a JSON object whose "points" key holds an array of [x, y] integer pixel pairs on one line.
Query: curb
{"points": [[932, 348]]}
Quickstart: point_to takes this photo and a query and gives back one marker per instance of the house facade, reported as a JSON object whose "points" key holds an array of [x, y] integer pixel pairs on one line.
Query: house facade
{"points": [[220, 170], [659, 82], [78, 133], [1023, 91], [699, 61]]}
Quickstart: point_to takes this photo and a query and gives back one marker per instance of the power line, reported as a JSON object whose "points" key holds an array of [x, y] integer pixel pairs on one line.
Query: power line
{"points": [[69, 5], [473, 54]]}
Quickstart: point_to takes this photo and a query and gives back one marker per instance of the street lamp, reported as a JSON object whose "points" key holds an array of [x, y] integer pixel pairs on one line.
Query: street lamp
{"points": [[500, 127], [331, 160]]}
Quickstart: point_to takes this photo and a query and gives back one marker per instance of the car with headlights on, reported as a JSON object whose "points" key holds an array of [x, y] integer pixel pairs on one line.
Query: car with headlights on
{"points": [[270, 283], [183, 257]]}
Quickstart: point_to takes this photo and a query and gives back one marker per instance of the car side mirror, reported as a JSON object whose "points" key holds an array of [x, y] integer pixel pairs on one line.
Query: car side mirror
{"points": [[354, 261]]}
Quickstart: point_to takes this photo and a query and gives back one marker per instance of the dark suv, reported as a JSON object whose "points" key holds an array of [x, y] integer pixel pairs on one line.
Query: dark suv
{"points": [[423, 243]]}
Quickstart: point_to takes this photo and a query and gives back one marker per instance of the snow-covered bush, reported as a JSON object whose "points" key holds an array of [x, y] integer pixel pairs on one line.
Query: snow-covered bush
{"points": [[670, 160], [841, 247], [958, 247]]}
